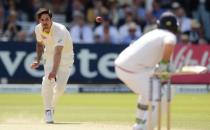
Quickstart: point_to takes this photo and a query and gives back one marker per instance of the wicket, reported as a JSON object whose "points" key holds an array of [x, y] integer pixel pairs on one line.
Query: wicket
{"points": [[159, 100]]}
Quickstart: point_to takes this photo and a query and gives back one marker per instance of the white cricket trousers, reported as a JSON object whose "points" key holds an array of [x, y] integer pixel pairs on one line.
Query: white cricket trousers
{"points": [[53, 89], [139, 83]]}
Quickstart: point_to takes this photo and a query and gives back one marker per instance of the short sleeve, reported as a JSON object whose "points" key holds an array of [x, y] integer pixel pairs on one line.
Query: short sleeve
{"points": [[59, 37], [170, 39]]}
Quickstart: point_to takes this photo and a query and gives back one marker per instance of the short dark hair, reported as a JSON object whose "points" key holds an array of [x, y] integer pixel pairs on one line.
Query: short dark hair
{"points": [[42, 11]]}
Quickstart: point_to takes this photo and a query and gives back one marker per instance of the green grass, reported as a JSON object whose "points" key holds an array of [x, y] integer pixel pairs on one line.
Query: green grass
{"points": [[190, 112]]}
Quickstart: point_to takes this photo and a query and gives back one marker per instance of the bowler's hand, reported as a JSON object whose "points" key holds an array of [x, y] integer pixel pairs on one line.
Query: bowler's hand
{"points": [[52, 75], [35, 65]]}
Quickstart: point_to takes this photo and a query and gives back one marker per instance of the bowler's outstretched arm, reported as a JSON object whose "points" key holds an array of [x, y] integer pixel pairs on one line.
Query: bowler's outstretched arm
{"points": [[39, 52]]}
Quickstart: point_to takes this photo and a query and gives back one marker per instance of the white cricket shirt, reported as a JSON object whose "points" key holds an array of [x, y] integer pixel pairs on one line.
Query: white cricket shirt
{"points": [[58, 36], [146, 51]]}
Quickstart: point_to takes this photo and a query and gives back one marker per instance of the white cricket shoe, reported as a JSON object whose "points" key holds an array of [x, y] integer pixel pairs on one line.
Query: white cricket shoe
{"points": [[137, 127], [49, 116]]}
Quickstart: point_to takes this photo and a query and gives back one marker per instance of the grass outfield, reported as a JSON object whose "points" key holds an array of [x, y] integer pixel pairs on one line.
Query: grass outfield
{"points": [[100, 111]]}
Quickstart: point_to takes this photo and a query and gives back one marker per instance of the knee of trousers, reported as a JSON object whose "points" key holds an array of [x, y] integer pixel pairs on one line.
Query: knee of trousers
{"points": [[127, 79], [46, 82], [47, 85], [144, 99], [59, 90]]}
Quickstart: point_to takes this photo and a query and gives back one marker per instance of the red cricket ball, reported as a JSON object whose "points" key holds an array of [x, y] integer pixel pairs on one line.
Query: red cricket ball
{"points": [[99, 19]]}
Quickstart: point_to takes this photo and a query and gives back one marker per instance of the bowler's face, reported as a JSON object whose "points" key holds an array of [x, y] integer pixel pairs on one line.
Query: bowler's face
{"points": [[45, 21]]}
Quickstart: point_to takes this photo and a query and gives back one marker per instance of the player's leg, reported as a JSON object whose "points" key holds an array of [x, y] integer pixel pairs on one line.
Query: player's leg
{"points": [[143, 101], [47, 94], [141, 114], [139, 84], [61, 82]]}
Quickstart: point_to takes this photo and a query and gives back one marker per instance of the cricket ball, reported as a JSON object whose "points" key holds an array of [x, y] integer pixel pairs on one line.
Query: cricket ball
{"points": [[99, 19]]}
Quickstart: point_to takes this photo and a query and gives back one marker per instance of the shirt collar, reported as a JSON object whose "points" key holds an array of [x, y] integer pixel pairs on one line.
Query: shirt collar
{"points": [[51, 29]]}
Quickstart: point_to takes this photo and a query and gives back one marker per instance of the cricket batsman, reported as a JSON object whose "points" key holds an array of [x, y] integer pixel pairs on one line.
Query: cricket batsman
{"points": [[136, 64], [54, 45]]}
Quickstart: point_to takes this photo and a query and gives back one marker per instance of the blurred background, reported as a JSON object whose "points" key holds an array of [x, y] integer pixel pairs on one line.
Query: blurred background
{"points": [[126, 19], [96, 45]]}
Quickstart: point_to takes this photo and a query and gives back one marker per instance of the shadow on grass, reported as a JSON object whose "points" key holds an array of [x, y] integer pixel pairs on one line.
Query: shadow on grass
{"points": [[68, 123]]}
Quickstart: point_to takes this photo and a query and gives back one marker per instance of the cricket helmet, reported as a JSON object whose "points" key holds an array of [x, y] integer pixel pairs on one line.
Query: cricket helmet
{"points": [[169, 22]]}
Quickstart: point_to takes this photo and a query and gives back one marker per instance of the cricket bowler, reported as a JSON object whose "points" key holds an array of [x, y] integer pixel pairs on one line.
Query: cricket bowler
{"points": [[55, 47], [136, 64]]}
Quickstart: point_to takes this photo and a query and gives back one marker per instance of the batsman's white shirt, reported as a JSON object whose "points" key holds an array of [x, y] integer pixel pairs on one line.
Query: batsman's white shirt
{"points": [[147, 51], [58, 36]]}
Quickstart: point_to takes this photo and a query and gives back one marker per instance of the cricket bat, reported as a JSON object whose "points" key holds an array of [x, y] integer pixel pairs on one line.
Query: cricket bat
{"points": [[193, 69], [185, 70]]}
